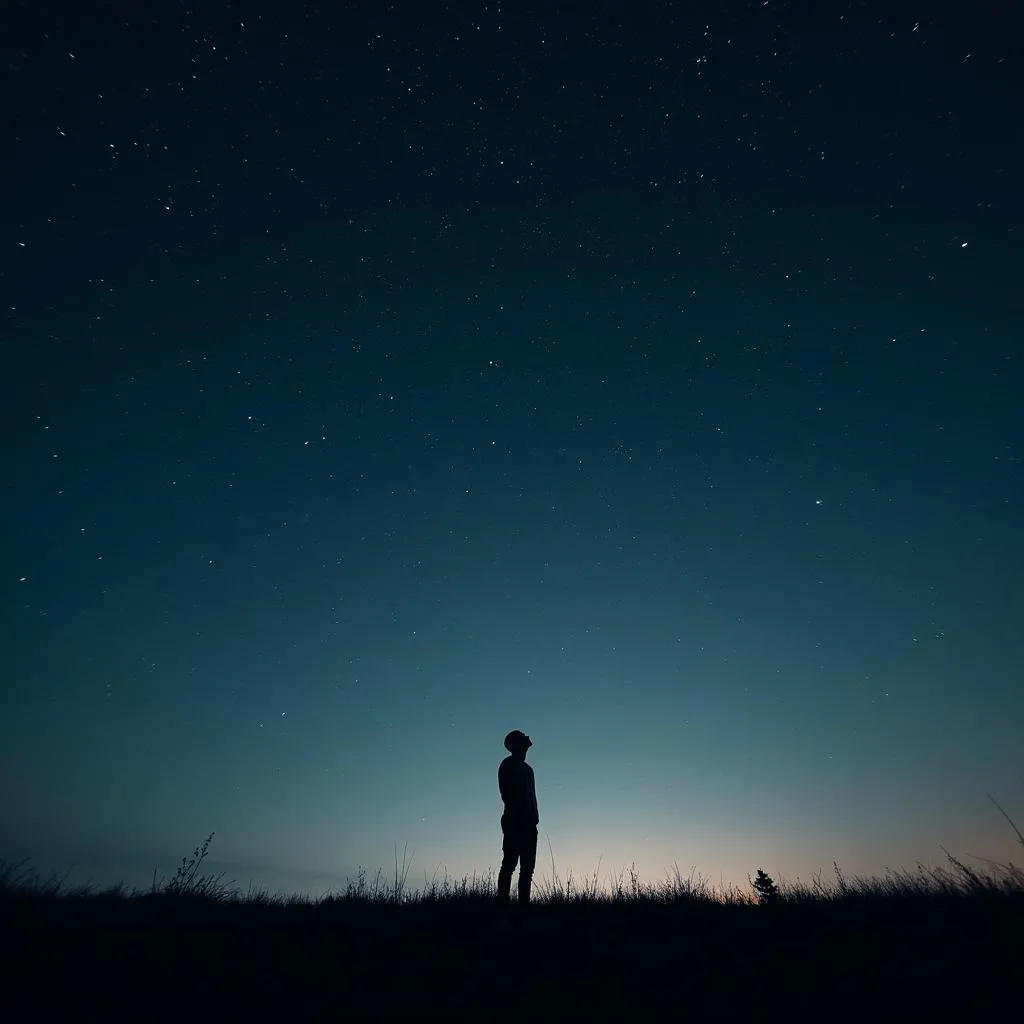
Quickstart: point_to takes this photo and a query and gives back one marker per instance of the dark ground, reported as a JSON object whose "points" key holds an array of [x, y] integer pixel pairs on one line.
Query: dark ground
{"points": [[162, 958]]}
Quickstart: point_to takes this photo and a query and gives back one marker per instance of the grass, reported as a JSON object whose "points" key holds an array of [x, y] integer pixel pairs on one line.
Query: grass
{"points": [[943, 941]]}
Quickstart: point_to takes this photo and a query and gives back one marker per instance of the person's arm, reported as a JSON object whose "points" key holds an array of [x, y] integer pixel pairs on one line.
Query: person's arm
{"points": [[503, 782]]}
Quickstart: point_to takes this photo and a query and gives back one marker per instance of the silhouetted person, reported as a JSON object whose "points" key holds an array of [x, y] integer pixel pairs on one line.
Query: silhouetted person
{"points": [[520, 818]]}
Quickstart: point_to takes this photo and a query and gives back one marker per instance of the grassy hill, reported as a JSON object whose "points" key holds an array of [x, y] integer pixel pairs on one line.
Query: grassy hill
{"points": [[940, 944]]}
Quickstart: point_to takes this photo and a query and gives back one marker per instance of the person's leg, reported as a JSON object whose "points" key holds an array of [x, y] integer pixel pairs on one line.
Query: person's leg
{"points": [[527, 862], [510, 854]]}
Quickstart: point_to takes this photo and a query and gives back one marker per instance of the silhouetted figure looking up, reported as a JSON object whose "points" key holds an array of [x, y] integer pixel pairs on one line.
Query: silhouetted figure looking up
{"points": [[520, 818]]}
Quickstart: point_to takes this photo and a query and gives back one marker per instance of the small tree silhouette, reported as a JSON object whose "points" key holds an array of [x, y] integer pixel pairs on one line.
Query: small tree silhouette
{"points": [[765, 887]]}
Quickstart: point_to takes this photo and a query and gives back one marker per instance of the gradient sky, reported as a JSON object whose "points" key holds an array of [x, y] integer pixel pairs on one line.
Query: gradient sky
{"points": [[380, 378]]}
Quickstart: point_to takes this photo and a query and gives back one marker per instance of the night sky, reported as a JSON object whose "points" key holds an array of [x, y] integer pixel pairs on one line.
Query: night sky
{"points": [[382, 377]]}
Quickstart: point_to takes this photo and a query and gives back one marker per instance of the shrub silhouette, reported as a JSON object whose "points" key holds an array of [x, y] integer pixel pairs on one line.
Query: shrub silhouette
{"points": [[765, 887], [187, 880]]}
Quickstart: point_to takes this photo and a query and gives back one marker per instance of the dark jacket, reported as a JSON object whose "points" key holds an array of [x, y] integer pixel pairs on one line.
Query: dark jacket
{"points": [[519, 793]]}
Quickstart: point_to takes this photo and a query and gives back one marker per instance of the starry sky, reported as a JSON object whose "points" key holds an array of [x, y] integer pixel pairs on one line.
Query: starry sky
{"points": [[382, 377]]}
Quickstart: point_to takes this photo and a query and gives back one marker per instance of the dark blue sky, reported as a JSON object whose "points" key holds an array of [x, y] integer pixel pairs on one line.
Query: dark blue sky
{"points": [[384, 377]]}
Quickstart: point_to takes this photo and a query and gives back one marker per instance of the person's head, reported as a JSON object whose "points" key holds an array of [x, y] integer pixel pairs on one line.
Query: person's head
{"points": [[517, 743]]}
